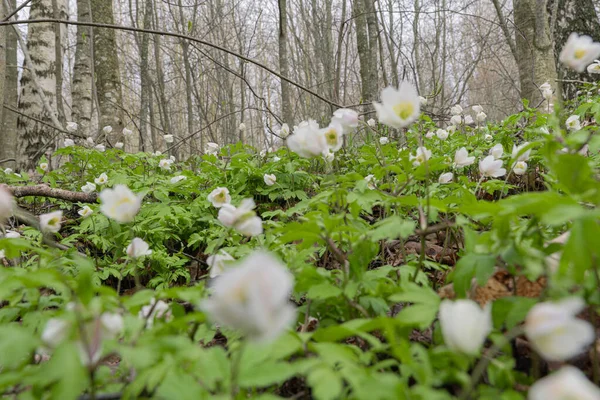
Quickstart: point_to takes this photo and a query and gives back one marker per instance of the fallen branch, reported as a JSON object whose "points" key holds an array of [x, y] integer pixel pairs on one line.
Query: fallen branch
{"points": [[47, 191]]}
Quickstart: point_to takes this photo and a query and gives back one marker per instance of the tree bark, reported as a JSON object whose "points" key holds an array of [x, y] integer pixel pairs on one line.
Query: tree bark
{"points": [[35, 137], [568, 16], [106, 69], [82, 72], [534, 49], [364, 53], [286, 101], [8, 139]]}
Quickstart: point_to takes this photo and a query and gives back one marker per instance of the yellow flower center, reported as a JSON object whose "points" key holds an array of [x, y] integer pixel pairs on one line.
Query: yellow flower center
{"points": [[331, 137], [404, 109], [53, 221], [420, 158], [221, 196], [579, 53]]}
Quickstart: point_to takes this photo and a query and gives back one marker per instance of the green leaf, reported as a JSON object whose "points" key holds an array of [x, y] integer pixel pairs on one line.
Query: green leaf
{"points": [[472, 265], [325, 383], [392, 228], [323, 291]]}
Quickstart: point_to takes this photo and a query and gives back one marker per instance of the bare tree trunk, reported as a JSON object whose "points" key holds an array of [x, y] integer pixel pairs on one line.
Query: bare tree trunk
{"points": [[8, 138], [35, 138], [144, 75], [82, 72], [3, 57], [106, 68], [535, 52], [286, 102], [568, 16], [373, 32], [364, 53]]}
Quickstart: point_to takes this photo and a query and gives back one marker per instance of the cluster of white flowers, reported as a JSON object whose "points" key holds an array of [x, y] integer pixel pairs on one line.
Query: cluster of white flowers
{"points": [[309, 140]]}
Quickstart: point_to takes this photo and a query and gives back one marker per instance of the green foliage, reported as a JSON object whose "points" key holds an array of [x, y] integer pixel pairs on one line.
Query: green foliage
{"points": [[346, 244]]}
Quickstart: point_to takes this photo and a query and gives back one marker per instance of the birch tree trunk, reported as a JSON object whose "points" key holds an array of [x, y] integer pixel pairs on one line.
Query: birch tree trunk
{"points": [[36, 138], [364, 53], [534, 49], [106, 68], [286, 102], [82, 72], [568, 16], [8, 138]]}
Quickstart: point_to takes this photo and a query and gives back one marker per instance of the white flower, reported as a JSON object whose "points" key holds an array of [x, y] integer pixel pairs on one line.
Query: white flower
{"points": [[346, 118], [488, 137], [269, 179], [218, 263], [333, 134], [481, 117], [478, 109], [55, 331], [462, 159], [465, 325], [178, 178], [307, 140], [72, 126], [492, 168], [219, 197], [545, 86], [12, 234], [253, 298], [153, 311], [275, 159], [172, 158], [520, 167], [594, 68], [90, 141], [423, 101], [211, 148], [120, 203], [398, 107], [573, 123], [284, 131], [112, 324], [446, 177], [85, 212], [157, 153], [456, 110], [165, 164], [6, 203], [547, 94], [329, 157], [242, 127], [451, 129], [518, 154], [44, 166], [456, 120], [8, 171], [100, 147], [69, 143], [554, 330], [421, 155], [242, 218], [102, 179], [371, 181], [579, 52], [497, 151], [442, 134], [430, 134], [119, 145], [168, 138], [51, 222], [89, 187], [384, 140], [107, 129], [372, 123], [568, 383], [469, 120], [127, 132], [138, 248]]}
